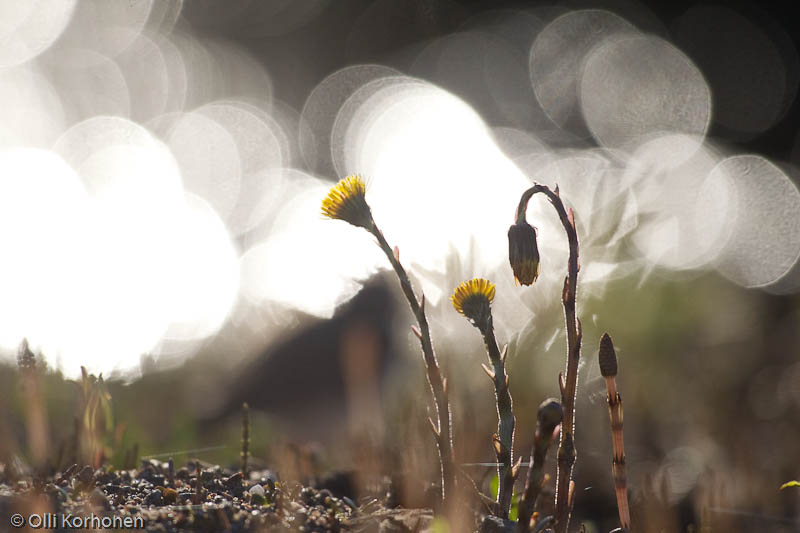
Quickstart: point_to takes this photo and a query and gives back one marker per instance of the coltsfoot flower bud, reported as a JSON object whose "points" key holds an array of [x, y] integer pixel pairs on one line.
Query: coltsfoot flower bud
{"points": [[550, 415], [523, 252]]}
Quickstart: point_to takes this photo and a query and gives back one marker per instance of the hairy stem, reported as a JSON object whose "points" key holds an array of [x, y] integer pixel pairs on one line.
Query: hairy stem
{"points": [[442, 426], [504, 446], [569, 387]]}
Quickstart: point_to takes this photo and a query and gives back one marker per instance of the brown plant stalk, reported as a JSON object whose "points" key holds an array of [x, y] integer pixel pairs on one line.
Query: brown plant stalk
{"points": [[569, 386], [608, 368], [442, 428], [549, 417], [347, 201]]}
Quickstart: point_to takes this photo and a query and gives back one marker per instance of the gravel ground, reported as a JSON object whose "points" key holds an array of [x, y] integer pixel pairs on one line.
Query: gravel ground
{"points": [[164, 499]]}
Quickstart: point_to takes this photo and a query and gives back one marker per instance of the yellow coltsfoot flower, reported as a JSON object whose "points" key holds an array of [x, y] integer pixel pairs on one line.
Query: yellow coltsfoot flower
{"points": [[473, 299], [347, 201]]}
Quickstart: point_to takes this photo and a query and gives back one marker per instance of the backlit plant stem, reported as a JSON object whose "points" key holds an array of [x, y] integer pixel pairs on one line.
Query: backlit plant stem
{"points": [[504, 440], [569, 387], [442, 428]]}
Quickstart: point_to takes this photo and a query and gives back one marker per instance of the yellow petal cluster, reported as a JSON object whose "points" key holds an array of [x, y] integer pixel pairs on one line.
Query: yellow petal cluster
{"points": [[347, 201], [472, 299]]}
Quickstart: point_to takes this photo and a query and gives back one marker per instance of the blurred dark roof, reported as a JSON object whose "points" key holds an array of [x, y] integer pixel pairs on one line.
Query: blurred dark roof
{"points": [[301, 380]]}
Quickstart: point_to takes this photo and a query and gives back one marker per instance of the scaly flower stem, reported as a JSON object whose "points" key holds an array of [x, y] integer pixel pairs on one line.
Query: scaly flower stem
{"points": [[569, 387], [442, 427], [504, 443], [618, 466]]}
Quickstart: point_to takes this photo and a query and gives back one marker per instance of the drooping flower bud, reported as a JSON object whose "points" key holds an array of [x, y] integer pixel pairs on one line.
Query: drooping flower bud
{"points": [[523, 252]]}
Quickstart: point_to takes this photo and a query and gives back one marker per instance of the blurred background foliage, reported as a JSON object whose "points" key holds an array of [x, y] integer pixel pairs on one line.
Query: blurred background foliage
{"points": [[708, 372]]}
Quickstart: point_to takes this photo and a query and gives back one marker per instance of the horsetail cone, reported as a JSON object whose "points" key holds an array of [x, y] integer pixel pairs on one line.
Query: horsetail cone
{"points": [[607, 357], [523, 252]]}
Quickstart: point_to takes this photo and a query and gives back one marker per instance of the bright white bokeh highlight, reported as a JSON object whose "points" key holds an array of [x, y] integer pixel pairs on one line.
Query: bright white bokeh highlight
{"points": [[156, 196], [308, 262], [42, 225], [117, 257], [437, 180], [29, 28]]}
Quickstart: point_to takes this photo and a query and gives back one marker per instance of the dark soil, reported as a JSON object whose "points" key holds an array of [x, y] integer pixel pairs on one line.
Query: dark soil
{"points": [[167, 500]]}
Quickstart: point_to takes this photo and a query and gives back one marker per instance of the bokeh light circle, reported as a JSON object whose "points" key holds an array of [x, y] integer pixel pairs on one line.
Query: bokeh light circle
{"points": [[634, 88], [765, 235], [557, 56]]}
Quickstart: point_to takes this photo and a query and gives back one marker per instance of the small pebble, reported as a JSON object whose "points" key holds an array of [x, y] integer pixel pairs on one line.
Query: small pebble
{"points": [[170, 495], [99, 500], [494, 524], [235, 479], [154, 498], [86, 474], [69, 471]]}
